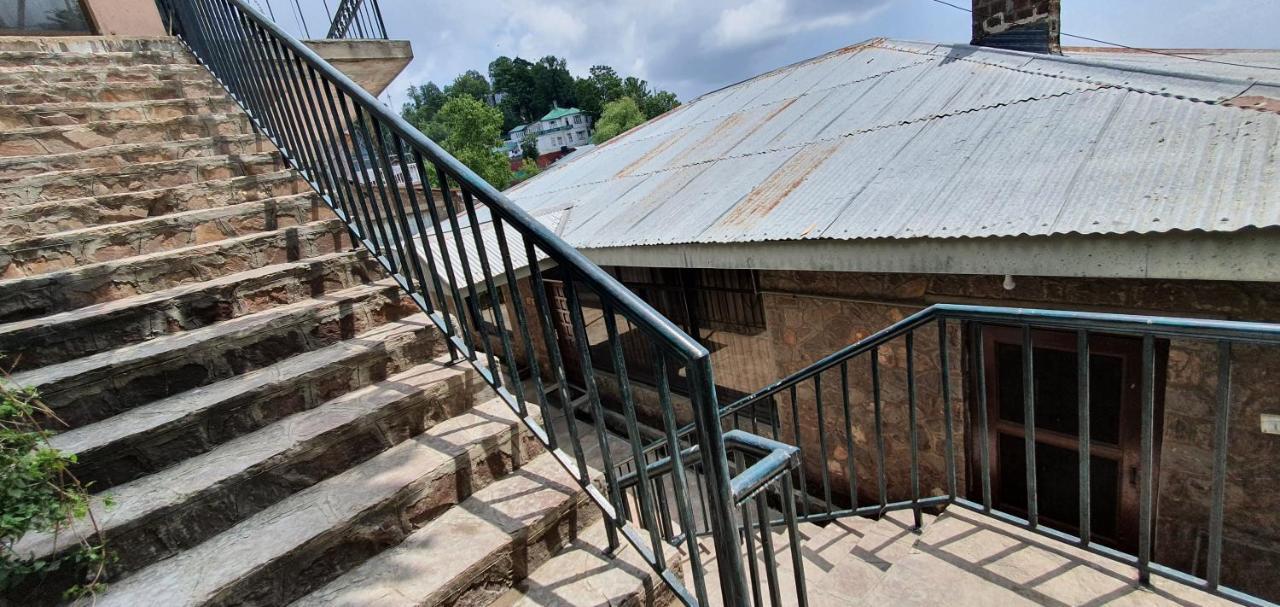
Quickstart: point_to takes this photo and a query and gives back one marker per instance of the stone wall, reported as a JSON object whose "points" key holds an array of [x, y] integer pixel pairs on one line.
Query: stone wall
{"points": [[811, 314]]}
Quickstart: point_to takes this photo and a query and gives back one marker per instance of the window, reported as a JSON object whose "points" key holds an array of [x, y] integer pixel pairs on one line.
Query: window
{"points": [[28, 17], [1115, 366], [577, 119]]}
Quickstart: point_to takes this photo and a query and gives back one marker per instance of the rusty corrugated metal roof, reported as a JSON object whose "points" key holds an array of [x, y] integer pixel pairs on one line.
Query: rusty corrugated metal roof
{"points": [[893, 139]]}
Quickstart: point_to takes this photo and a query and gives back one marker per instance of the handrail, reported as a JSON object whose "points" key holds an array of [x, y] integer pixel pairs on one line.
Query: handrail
{"points": [[349, 147]]}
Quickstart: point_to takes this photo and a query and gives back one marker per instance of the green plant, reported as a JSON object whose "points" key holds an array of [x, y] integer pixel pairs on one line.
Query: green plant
{"points": [[618, 116], [38, 493]]}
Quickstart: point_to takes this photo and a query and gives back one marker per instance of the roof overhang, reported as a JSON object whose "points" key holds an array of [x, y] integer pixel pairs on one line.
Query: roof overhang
{"points": [[1250, 255]]}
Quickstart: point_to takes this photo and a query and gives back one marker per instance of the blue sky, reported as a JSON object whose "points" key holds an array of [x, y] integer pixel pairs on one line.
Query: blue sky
{"points": [[694, 46]]}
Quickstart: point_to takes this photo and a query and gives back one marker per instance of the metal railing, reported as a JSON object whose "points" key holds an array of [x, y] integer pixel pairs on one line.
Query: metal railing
{"points": [[352, 19], [357, 19], [802, 396], [452, 255]]}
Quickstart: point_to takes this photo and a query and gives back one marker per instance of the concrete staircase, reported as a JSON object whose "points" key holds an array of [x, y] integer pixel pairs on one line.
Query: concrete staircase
{"points": [[272, 420]]}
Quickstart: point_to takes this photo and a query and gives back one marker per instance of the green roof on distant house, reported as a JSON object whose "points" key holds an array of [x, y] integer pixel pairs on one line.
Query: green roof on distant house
{"points": [[560, 112]]}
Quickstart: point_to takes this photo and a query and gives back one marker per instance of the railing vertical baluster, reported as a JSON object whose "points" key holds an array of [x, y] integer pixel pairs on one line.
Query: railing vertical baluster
{"points": [[766, 546], [912, 432], [715, 466], [495, 309], [396, 217], [315, 167], [822, 441], [1083, 427], [464, 330], [851, 463], [1146, 476], [359, 206], [944, 361], [424, 238], [382, 213], [342, 191], [1221, 427], [552, 344], [984, 436], [803, 486], [364, 188], [1029, 425], [521, 320], [468, 277], [647, 505], [749, 534], [882, 483], [593, 396], [793, 535]]}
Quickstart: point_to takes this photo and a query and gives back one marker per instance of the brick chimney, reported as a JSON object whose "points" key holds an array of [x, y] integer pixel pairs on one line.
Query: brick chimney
{"points": [[1021, 25]]}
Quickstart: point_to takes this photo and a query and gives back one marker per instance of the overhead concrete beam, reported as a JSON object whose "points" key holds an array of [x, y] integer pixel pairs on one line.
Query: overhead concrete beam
{"points": [[372, 64]]}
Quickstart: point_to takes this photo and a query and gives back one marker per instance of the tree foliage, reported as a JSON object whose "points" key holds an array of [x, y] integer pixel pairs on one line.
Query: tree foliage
{"points": [[474, 138], [618, 116], [470, 84]]}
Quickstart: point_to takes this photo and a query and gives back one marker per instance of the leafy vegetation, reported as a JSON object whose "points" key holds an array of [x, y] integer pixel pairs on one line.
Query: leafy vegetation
{"points": [[474, 136], [39, 494], [618, 116]]}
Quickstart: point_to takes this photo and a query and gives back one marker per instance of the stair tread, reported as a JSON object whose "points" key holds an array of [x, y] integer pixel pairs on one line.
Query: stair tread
{"points": [[257, 450], [134, 169], [174, 344], [198, 574], [156, 415], [76, 158], [53, 322], [585, 575], [415, 571], [140, 226]]}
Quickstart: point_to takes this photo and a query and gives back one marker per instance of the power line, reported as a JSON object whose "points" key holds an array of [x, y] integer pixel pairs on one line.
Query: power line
{"points": [[1135, 48]]}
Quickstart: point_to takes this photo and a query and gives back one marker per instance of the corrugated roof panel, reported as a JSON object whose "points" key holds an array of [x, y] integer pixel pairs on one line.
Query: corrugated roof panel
{"points": [[930, 142]]}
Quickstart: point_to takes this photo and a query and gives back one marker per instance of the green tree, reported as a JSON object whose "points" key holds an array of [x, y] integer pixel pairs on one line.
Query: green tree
{"points": [[618, 116], [423, 104], [659, 103], [475, 138], [471, 84], [552, 85], [529, 145]]}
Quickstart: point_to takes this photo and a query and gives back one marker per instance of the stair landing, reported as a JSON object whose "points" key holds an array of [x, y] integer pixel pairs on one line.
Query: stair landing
{"points": [[960, 559]]}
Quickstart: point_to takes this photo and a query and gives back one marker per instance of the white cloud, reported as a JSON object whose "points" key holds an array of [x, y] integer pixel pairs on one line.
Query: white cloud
{"points": [[743, 25]]}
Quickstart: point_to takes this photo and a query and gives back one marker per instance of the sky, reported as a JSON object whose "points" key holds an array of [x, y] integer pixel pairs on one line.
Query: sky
{"points": [[692, 47]]}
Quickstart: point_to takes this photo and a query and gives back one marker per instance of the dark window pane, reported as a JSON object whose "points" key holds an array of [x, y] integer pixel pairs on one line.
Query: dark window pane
{"points": [[1057, 482], [42, 15], [1055, 390]]}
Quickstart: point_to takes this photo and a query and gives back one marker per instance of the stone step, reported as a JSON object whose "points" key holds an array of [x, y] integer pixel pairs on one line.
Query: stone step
{"points": [[81, 137], [314, 535], [29, 94], [134, 153], [158, 516], [97, 328], [106, 49], [475, 552], [101, 181], [154, 436], [584, 574], [53, 114], [34, 256], [34, 296], [93, 74], [51, 217], [93, 388]]}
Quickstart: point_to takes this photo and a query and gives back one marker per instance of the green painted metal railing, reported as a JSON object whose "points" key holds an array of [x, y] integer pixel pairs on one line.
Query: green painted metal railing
{"points": [[451, 252]]}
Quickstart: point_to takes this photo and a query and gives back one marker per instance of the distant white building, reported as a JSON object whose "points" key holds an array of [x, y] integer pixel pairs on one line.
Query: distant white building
{"points": [[561, 128]]}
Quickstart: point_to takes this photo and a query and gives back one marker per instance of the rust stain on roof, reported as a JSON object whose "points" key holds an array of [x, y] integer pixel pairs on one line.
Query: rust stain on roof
{"points": [[729, 122], [769, 194], [1255, 102], [650, 155], [786, 104]]}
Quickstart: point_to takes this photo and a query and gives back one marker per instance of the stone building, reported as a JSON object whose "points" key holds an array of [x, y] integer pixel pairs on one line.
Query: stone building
{"points": [[788, 216]]}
